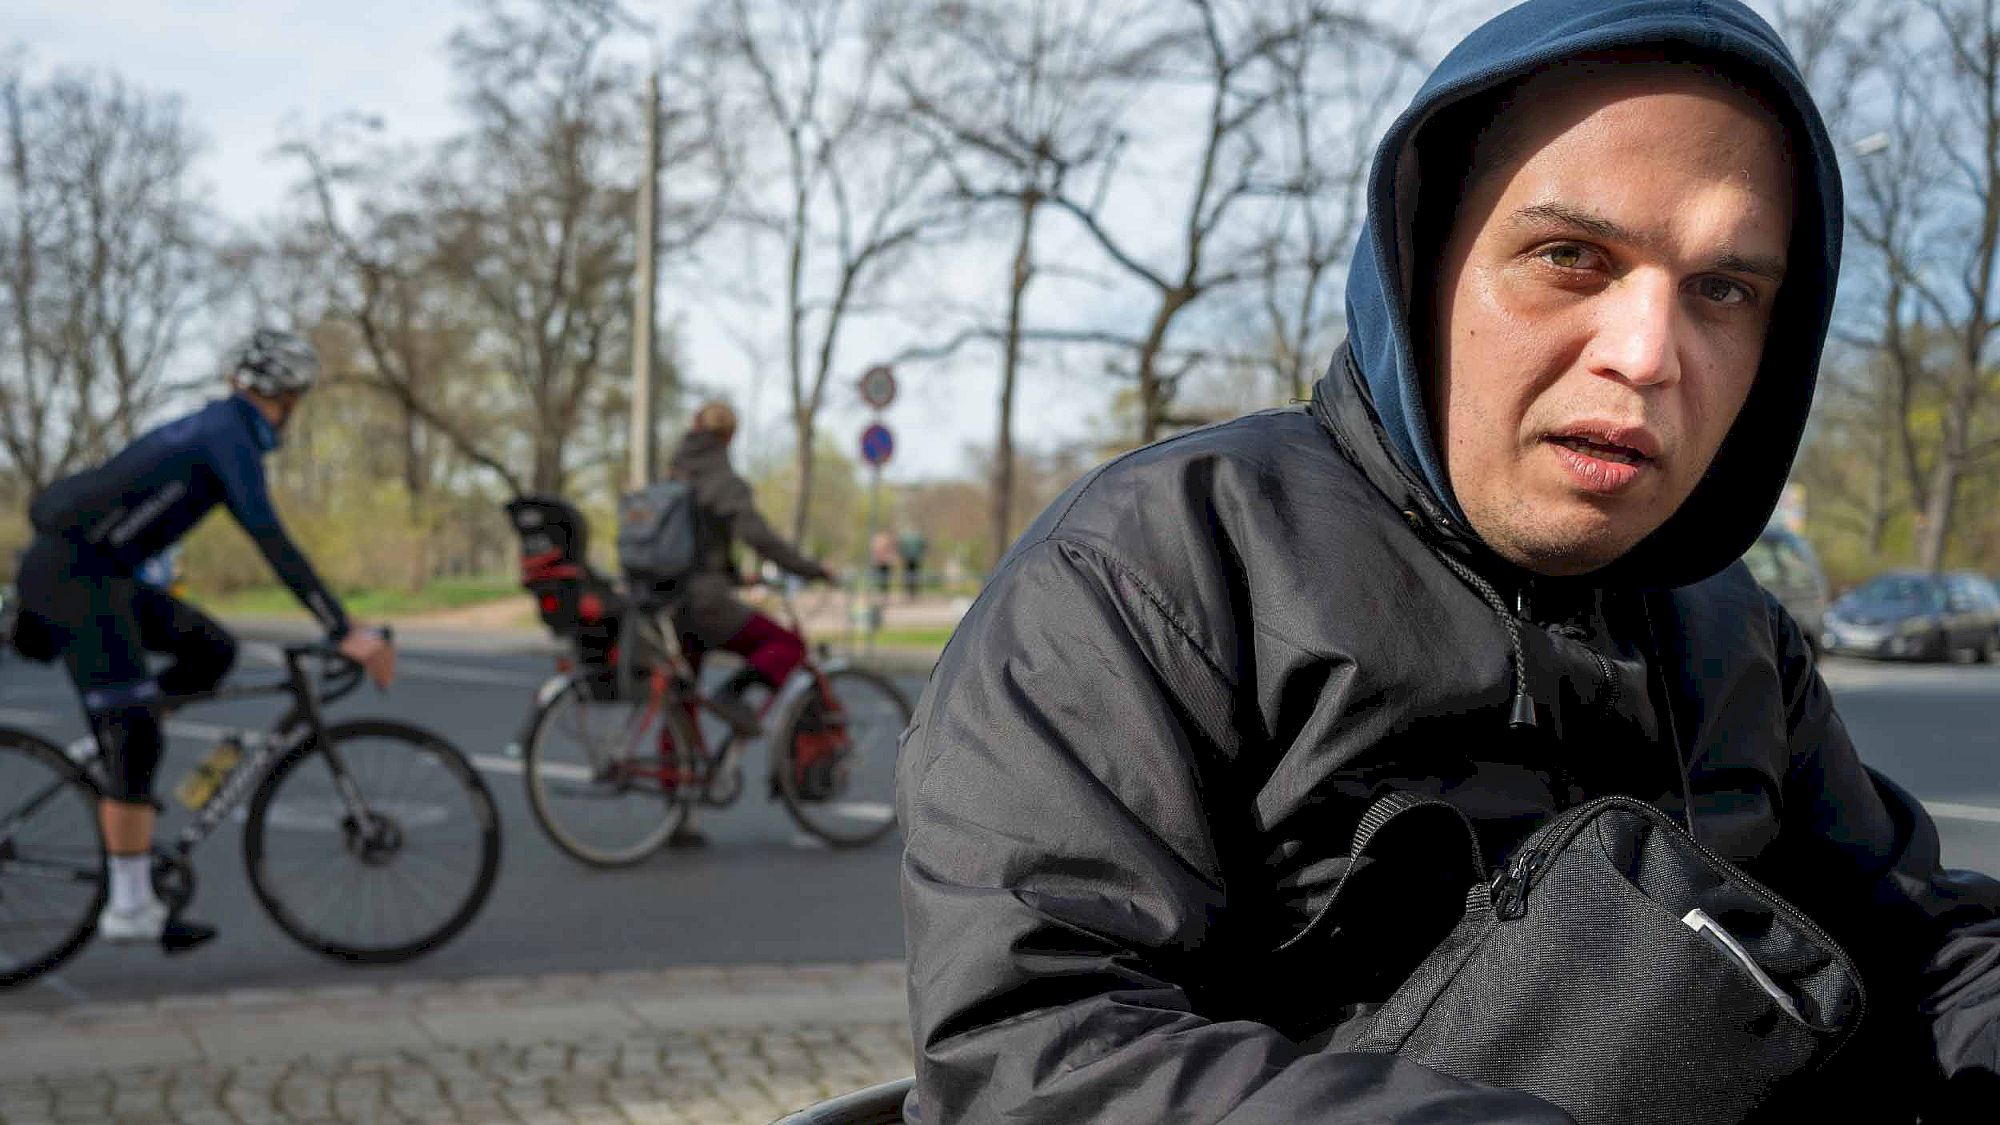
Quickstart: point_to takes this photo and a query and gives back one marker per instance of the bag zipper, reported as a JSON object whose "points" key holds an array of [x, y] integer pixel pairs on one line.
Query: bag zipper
{"points": [[1510, 888]]}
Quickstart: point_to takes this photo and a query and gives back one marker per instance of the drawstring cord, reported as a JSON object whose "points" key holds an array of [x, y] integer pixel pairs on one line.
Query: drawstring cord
{"points": [[1521, 715]]}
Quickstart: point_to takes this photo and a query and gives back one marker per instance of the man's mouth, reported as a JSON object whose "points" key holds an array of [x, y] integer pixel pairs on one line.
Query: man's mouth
{"points": [[1604, 459], [1608, 451]]}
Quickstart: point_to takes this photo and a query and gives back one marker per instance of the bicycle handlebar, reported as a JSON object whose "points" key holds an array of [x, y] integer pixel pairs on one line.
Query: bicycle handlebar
{"points": [[345, 676]]}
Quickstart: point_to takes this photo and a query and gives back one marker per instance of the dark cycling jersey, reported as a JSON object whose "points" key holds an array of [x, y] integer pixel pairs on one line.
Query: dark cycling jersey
{"points": [[145, 499]]}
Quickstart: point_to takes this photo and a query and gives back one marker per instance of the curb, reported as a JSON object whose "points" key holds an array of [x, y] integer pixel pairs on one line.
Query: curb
{"points": [[267, 1025]]}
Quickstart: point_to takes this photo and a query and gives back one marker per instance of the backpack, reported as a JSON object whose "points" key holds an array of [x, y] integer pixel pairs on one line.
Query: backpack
{"points": [[659, 538]]}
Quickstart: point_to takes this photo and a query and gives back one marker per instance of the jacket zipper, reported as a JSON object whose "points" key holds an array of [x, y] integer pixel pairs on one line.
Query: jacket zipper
{"points": [[1512, 885]]}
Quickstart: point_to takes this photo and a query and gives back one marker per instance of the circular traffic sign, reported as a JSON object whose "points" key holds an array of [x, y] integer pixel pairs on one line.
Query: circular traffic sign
{"points": [[878, 387], [877, 445]]}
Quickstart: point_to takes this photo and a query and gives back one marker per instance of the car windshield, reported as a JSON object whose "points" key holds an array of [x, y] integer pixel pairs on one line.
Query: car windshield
{"points": [[1913, 591]]}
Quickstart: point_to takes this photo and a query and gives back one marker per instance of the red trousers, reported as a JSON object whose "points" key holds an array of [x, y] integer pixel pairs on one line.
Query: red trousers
{"points": [[768, 647]]}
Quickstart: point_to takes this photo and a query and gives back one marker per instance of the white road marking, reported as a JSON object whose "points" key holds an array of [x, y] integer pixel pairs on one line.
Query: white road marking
{"points": [[274, 656], [423, 670], [56, 983], [206, 731], [1946, 811], [26, 717]]}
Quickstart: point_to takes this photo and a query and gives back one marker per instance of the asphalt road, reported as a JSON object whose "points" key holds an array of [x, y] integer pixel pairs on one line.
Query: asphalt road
{"points": [[760, 892]]}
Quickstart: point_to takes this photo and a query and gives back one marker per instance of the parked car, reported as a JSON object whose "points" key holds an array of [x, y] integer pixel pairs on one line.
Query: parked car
{"points": [[1917, 616], [1785, 565]]}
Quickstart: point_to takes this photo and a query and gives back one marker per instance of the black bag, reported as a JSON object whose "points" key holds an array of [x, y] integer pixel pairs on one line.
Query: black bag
{"points": [[658, 532], [1616, 968]]}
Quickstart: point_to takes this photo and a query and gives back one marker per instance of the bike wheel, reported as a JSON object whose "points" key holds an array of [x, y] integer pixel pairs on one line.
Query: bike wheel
{"points": [[836, 763], [52, 881], [377, 846], [609, 779]]}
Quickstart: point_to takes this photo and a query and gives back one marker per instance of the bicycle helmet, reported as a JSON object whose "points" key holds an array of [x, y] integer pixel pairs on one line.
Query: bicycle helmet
{"points": [[274, 362]]}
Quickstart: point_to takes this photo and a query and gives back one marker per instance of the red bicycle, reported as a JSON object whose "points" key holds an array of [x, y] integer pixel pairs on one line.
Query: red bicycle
{"points": [[616, 758]]}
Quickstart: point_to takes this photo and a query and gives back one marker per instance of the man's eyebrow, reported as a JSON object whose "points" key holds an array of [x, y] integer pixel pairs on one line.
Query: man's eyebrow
{"points": [[1756, 265], [1769, 267], [1597, 226]]}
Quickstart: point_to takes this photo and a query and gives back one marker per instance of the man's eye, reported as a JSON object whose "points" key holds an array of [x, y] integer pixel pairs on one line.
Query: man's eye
{"points": [[1568, 256], [1723, 291]]}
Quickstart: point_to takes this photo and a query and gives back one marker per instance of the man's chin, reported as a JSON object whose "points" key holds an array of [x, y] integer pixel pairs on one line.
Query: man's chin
{"points": [[1570, 540]]}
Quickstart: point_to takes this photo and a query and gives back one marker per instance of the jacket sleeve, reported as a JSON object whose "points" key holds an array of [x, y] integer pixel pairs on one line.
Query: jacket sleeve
{"points": [[735, 503], [248, 496], [1936, 930], [1062, 883]]}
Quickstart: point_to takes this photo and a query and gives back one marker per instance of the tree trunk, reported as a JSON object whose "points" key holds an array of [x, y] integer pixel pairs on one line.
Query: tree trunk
{"points": [[413, 460], [1152, 408], [1878, 500], [803, 423], [1938, 512], [548, 478], [1003, 443]]}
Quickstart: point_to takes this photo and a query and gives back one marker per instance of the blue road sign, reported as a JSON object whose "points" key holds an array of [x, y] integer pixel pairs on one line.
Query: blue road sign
{"points": [[877, 445]]}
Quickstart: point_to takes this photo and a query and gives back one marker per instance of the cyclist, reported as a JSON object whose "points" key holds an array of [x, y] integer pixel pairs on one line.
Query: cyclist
{"points": [[711, 616], [79, 593]]}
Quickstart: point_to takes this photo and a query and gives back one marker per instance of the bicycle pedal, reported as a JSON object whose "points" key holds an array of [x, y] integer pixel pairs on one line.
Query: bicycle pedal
{"points": [[180, 936]]}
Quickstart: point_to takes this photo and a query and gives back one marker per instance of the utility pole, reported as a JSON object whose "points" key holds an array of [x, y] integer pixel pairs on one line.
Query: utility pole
{"points": [[645, 408]]}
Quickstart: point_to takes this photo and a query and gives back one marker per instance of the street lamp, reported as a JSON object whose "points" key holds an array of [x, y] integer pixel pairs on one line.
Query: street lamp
{"points": [[1873, 144]]}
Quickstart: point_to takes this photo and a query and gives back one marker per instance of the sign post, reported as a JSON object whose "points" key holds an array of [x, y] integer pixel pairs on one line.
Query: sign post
{"points": [[877, 446], [878, 387]]}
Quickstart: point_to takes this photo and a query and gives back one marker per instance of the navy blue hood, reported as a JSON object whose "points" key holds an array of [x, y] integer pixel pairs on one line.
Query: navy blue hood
{"points": [[1729, 507]]}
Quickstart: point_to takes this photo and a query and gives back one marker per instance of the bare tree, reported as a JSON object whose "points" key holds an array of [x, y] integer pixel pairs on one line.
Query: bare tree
{"points": [[535, 207], [1333, 95], [1926, 215], [850, 194], [104, 263], [1232, 56], [1018, 96], [412, 331]]}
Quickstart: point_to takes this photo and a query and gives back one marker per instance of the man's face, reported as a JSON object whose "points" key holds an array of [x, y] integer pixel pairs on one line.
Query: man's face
{"points": [[1606, 291]]}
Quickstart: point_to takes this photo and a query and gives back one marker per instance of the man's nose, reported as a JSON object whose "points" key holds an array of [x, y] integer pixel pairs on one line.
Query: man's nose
{"points": [[1636, 337]]}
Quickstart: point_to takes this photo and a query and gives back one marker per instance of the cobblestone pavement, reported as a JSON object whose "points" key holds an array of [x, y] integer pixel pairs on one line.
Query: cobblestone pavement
{"points": [[729, 1044]]}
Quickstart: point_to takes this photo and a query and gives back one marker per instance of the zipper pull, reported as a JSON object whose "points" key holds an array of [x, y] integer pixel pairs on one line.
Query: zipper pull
{"points": [[1510, 891]]}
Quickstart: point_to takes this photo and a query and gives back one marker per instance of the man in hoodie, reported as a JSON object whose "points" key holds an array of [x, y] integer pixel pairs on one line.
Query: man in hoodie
{"points": [[1493, 562], [711, 616]]}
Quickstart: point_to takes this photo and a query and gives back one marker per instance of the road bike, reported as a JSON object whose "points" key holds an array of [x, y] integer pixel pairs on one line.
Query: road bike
{"points": [[366, 840], [616, 759]]}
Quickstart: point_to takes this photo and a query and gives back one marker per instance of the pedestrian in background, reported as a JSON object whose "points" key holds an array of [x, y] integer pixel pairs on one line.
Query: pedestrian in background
{"points": [[883, 557], [912, 546]]}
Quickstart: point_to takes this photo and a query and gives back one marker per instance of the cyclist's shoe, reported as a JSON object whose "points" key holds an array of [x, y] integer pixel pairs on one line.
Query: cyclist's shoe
{"points": [[182, 934], [147, 923], [687, 838], [740, 716]]}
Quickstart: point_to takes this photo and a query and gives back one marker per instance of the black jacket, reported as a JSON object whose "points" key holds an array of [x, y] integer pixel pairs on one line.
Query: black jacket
{"points": [[1137, 768]]}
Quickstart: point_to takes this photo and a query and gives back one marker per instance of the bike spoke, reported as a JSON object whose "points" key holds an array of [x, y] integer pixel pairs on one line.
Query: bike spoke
{"points": [[407, 862]]}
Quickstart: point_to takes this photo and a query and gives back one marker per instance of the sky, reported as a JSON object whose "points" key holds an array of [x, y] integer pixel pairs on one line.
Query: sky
{"points": [[252, 73]]}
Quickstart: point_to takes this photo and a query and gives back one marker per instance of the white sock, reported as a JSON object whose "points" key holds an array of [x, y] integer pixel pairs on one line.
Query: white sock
{"points": [[131, 883]]}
